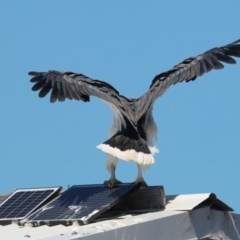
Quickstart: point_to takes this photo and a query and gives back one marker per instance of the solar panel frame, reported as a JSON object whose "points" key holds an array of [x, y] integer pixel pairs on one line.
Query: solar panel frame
{"points": [[75, 204], [24, 201]]}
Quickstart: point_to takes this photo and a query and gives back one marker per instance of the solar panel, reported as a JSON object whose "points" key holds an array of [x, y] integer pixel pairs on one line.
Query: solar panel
{"points": [[22, 202], [82, 203]]}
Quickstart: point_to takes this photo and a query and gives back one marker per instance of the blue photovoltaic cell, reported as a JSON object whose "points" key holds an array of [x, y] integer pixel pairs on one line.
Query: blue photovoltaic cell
{"points": [[81, 203], [22, 202]]}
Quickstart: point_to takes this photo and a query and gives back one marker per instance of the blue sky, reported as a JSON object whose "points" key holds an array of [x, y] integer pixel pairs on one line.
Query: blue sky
{"points": [[125, 43]]}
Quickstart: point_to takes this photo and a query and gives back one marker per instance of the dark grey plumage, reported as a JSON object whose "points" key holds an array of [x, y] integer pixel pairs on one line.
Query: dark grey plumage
{"points": [[134, 130], [79, 87], [188, 70]]}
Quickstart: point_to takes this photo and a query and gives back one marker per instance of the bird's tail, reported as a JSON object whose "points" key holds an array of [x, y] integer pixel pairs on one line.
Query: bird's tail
{"points": [[128, 148]]}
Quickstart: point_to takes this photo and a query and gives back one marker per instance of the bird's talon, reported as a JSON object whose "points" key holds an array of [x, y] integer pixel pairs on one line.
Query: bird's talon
{"points": [[112, 183], [141, 184]]}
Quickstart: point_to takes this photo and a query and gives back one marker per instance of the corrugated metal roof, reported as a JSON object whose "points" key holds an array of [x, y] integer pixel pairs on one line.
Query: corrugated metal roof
{"points": [[202, 223], [3, 197], [184, 217]]}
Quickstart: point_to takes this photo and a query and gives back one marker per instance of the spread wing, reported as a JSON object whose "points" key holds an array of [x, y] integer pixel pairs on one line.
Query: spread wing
{"points": [[188, 70], [71, 85]]}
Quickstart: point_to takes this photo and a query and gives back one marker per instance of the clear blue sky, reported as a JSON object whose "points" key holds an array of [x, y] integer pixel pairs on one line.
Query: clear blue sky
{"points": [[125, 43]]}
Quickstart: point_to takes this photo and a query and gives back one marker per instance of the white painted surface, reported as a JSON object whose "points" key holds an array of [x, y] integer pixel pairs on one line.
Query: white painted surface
{"points": [[186, 201], [168, 224]]}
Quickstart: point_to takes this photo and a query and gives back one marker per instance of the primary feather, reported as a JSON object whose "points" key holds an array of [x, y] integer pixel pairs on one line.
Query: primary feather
{"points": [[134, 130]]}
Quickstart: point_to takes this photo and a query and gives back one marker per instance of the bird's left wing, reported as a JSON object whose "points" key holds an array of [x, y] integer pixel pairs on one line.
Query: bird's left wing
{"points": [[74, 86], [188, 70]]}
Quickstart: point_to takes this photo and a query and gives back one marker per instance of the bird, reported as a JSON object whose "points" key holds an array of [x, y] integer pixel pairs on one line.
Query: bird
{"points": [[133, 132]]}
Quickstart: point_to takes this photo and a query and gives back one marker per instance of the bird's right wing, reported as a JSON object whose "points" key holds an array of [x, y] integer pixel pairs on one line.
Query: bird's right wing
{"points": [[75, 86], [188, 70]]}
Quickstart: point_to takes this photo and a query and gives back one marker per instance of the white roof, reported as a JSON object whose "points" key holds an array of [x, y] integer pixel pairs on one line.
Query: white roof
{"points": [[199, 224], [171, 223], [191, 201]]}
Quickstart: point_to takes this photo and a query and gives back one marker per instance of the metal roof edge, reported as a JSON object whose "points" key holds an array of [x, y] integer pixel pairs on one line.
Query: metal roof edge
{"points": [[186, 202]]}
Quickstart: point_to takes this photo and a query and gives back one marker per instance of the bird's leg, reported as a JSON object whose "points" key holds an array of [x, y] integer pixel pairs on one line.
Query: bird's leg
{"points": [[140, 180], [111, 167]]}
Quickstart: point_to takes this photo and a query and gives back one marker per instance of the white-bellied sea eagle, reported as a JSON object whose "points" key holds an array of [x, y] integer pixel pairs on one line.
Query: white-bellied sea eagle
{"points": [[134, 131]]}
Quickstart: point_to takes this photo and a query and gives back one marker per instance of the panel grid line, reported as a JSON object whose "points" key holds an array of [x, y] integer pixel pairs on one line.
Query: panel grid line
{"points": [[22, 202], [81, 203]]}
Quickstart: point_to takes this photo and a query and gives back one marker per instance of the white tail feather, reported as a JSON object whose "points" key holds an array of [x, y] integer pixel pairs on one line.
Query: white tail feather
{"points": [[128, 155], [153, 149]]}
